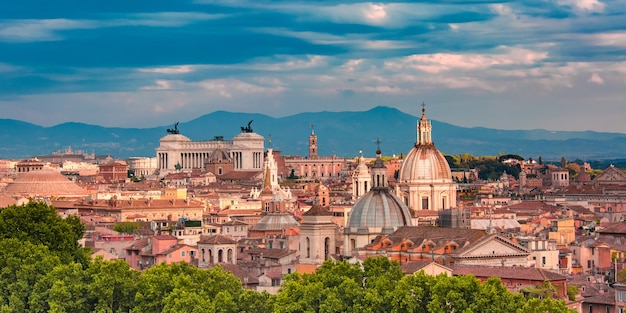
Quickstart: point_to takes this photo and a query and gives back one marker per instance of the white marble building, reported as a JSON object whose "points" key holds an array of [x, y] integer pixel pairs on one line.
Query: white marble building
{"points": [[177, 152]]}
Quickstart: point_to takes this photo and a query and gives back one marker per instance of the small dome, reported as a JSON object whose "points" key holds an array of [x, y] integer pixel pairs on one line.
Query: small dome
{"points": [[43, 183], [379, 208], [424, 163], [276, 221], [219, 156]]}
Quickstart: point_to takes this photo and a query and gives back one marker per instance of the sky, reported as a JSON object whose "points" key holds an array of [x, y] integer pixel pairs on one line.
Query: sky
{"points": [[536, 64]]}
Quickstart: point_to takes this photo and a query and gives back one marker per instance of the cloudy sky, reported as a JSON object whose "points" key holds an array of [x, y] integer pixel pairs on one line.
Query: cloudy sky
{"points": [[550, 64]]}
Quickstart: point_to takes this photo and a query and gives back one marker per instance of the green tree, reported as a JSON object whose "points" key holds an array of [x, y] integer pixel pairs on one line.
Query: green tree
{"points": [[64, 289], [572, 291], [156, 286], [535, 305], [413, 293], [112, 285], [563, 162], [22, 265], [126, 227], [39, 223]]}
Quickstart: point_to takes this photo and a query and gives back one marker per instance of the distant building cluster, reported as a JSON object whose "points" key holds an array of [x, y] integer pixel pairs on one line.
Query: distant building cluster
{"points": [[261, 215]]}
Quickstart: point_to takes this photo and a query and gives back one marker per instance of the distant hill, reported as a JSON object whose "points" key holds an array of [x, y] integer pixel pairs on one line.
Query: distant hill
{"points": [[339, 133]]}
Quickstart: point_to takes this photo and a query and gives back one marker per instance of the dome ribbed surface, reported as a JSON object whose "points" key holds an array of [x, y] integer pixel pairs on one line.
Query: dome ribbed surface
{"points": [[43, 183], [379, 208], [220, 156], [424, 163], [276, 221]]}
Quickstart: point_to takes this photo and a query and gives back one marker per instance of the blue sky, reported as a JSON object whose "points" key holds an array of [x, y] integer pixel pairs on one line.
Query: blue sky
{"points": [[550, 64]]}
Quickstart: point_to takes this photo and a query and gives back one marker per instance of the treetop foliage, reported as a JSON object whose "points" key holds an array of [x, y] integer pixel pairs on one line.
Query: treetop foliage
{"points": [[41, 274]]}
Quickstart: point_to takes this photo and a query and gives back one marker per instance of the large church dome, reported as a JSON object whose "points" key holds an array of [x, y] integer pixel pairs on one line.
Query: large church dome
{"points": [[378, 212], [379, 208], [43, 183], [425, 180], [424, 163]]}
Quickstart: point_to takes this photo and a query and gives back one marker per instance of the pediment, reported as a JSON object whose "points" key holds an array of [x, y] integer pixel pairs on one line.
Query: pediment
{"points": [[611, 174], [492, 246]]}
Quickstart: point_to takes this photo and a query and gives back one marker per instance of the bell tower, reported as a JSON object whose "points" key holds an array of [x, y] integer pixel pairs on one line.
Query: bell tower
{"points": [[312, 144]]}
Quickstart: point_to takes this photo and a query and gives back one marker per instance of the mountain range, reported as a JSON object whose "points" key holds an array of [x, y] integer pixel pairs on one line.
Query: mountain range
{"points": [[339, 133]]}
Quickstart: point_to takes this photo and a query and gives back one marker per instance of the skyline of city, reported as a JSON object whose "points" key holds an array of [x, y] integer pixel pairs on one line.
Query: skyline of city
{"points": [[505, 65]]}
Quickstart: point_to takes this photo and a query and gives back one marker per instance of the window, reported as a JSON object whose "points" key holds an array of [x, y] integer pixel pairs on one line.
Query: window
{"points": [[182, 253], [543, 260], [621, 295], [169, 255]]}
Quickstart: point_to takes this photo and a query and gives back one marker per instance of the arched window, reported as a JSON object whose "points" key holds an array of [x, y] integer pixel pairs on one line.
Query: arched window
{"points": [[210, 256], [203, 255], [326, 248], [220, 256], [308, 247], [229, 256]]}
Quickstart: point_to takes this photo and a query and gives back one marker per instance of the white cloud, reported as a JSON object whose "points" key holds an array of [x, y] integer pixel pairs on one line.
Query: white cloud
{"points": [[39, 30], [616, 39], [28, 30], [178, 69], [442, 62], [584, 6], [501, 9], [596, 79], [163, 85], [8, 68], [229, 88], [163, 19]]}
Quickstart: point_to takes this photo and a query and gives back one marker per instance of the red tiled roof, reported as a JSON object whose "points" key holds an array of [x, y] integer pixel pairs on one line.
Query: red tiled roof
{"points": [[245, 277], [414, 266], [216, 240]]}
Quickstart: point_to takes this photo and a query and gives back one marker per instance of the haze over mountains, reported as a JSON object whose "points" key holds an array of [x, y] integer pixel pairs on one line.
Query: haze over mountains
{"points": [[339, 133]]}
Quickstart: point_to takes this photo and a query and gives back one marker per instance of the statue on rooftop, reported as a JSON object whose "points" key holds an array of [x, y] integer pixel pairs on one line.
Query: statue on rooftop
{"points": [[247, 129], [174, 130]]}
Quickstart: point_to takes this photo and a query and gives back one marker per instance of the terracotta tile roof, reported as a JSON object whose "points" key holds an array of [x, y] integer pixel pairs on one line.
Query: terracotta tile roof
{"points": [[6, 201], [175, 248], [244, 276], [138, 244], [227, 212], [439, 235], [216, 240], [233, 223], [274, 275], [607, 298], [522, 273], [414, 266], [318, 210], [240, 175], [271, 253], [612, 228], [529, 206]]}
